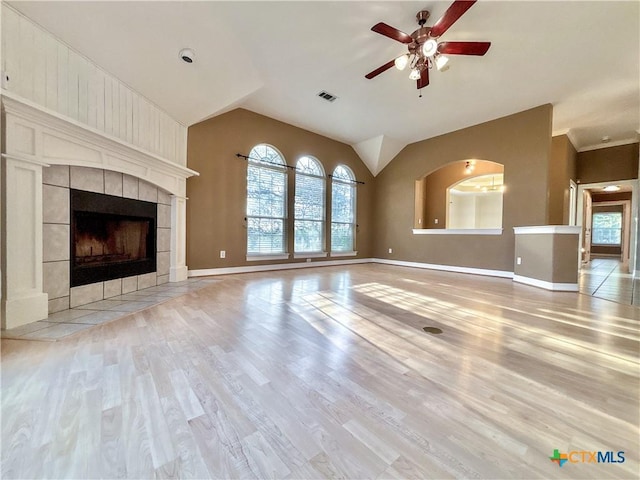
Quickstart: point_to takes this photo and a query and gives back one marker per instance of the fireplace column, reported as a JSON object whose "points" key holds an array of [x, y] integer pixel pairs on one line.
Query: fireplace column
{"points": [[23, 300], [178, 270]]}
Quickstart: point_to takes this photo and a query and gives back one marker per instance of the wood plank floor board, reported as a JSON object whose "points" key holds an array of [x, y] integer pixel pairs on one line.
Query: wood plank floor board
{"points": [[184, 443], [138, 457], [327, 373], [279, 407], [112, 444]]}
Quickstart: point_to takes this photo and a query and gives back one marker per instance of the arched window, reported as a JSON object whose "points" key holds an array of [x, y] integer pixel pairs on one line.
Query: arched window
{"points": [[309, 206], [343, 210], [266, 201]]}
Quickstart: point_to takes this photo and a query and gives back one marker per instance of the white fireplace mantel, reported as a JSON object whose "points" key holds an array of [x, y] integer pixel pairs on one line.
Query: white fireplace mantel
{"points": [[35, 138], [44, 136]]}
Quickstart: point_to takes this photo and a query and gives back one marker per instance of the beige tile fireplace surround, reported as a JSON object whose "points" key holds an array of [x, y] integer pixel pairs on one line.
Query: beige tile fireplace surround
{"points": [[57, 181], [45, 155]]}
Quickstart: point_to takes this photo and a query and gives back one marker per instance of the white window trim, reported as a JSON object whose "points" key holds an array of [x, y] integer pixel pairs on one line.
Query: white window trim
{"points": [[354, 223], [282, 168], [267, 256], [344, 254], [457, 231], [309, 254], [322, 221]]}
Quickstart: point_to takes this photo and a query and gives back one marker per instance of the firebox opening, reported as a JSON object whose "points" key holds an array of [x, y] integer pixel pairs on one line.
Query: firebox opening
{"points": [[112, 237], [103, 239]]}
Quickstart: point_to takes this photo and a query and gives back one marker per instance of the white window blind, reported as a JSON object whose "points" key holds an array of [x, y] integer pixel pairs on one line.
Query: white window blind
{"points": [[309, 206], [343, 207], [266, 201]]}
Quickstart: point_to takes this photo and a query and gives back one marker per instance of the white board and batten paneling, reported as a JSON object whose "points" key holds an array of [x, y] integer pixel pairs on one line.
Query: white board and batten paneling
{"points": [[46, 71]]}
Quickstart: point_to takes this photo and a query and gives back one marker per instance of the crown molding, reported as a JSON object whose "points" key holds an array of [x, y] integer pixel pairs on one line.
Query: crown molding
{"points": [[600, 146]]}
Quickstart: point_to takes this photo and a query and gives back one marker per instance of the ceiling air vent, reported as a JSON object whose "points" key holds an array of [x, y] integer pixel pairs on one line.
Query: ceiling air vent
{"points": [[327, 96]]}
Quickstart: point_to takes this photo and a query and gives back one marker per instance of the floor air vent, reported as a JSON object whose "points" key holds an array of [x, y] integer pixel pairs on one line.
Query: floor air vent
{"points": [[432, 330]]}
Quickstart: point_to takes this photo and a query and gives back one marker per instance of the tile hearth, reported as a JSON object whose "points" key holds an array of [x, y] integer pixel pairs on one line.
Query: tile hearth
{"points": [[62, 324]]}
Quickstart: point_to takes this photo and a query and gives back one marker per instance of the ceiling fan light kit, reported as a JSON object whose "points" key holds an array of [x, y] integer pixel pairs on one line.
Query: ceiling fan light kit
{"points": [[401, 62], [441, 63], [425, 51], [429, 48]]}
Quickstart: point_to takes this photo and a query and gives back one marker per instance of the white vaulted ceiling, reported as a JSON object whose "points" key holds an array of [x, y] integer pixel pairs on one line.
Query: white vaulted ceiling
{"points": [[274, 57]]}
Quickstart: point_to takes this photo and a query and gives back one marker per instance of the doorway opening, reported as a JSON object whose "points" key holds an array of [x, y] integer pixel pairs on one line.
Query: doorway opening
{"points": [[607, 213]]}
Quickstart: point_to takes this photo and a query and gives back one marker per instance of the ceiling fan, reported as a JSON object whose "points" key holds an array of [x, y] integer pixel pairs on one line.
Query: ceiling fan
{"points": [[424, 49]]}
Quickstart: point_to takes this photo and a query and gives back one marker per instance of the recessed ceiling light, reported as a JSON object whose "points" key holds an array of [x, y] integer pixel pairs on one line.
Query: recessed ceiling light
{"points": [[611, 188]]}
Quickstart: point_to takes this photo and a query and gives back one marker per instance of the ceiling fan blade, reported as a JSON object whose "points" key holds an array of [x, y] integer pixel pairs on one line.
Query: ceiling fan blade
{"points": [[379, 70], [453, 13], [424, 78], [393, 33], [464, 48]]}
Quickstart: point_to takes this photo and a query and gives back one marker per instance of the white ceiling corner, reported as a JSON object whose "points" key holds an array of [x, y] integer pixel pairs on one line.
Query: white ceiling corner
{"points": [[369, 152], [390, 148], [572, 138], [377, 152]]}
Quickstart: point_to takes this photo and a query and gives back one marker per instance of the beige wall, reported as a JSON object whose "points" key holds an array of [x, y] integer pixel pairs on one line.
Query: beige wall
{"points": [[609, 197], [562, 169], [548, 257], [217, 198], [608, 164], [521, 142]]}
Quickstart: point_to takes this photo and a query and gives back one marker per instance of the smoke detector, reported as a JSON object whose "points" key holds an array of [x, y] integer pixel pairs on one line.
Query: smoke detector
{"points": [[187, 55]]}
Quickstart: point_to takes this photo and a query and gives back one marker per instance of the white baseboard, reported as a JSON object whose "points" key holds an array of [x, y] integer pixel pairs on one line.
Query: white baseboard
{"points": [[556, 287], [278, 266], [446, 268], [560, 287]]}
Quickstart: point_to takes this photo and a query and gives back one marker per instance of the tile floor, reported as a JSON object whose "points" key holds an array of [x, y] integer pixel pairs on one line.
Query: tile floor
{"points": [[65, 323], [605, 278]]}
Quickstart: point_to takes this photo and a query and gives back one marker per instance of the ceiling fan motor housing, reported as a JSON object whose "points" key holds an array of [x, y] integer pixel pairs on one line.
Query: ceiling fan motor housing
{"points": [[420, 36], [422, 16]]}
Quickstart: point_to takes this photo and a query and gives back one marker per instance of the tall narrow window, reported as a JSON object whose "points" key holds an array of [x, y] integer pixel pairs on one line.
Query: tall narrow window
{"points": [[309, 206], [343, 210], [266, 201]]}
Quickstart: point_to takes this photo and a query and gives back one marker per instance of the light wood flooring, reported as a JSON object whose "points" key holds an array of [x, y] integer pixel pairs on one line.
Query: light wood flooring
{"points": [[327, 373], [606, 278]]}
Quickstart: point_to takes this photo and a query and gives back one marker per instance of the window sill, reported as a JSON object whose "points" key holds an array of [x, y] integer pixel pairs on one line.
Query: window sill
{"points": [[344, 254], [275, 256], [457, 231], [310, 255]]}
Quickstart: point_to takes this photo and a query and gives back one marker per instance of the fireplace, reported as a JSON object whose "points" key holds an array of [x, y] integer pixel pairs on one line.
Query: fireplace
{"points": [[111, 237]]}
